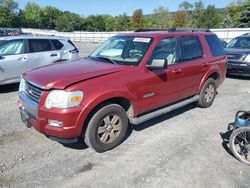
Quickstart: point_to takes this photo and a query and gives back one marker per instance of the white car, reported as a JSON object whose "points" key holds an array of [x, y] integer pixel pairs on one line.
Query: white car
{"points": [[19, 54]]}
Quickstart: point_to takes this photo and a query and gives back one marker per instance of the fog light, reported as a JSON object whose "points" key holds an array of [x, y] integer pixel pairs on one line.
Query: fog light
{"points": [[55, 123]]}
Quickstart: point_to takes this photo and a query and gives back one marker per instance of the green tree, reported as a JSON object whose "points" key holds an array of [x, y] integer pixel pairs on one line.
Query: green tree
{"points": [[122, 22], [234, 11], [33, 15], [137, 20], [185, 5], [109, 23], [93, 23], [209, 18], [198, 5], [9, 4], [227, 22], [161, 18], [67, 21], [244, 18], [149, 23], [6, 17], [49, 18], [19, 20], [197, 12], [180, 18]]}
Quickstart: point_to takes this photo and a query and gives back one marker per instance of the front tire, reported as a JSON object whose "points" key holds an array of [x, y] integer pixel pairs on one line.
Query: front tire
{"points": [[106, 128], [239, 143], [207, 94]]}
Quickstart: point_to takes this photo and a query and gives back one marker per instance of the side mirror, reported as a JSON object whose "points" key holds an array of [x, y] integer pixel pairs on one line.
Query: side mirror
{"points": [[157, 64]]}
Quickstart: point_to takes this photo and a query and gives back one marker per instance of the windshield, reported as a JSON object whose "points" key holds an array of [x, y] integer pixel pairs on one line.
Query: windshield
{"points": [[124, 50], [239, 42]]}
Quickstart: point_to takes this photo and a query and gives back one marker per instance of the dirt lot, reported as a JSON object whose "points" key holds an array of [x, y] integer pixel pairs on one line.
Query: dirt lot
{"points": [[183, 148]]}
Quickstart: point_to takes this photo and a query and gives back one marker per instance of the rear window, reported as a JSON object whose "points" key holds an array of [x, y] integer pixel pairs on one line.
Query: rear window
{"points": [[191, 48], [39, 45], [215, 45], [57, 44], [69, 41]]}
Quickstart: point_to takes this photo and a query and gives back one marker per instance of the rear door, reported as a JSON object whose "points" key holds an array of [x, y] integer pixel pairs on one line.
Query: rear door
{"points": [[192, 64], [42, 52], [13, 60]]}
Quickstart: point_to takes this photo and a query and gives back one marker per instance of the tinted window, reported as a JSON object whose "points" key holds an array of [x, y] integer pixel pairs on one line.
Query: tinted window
{"points": [[190, 48], [39, 45], [69, 41], [57, 44], [165, 49], [215, 45], [13, 47]]}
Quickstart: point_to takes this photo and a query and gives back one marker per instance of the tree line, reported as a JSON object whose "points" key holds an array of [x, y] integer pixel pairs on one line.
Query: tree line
{"points": [[188, 15]]}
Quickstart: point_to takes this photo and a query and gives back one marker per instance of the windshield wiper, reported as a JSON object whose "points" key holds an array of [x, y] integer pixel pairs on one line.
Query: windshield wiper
{"points": [[105, 59]]}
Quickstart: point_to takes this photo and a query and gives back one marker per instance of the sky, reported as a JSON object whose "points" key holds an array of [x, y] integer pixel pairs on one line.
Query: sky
{"points": [[116, 7]]}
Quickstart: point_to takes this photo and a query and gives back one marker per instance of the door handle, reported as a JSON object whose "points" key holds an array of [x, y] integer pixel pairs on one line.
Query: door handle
{"points": [[176, 71], [53, 55], [206, 64], [23, 59]]}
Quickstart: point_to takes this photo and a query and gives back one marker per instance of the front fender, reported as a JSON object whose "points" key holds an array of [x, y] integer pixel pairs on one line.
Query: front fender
{"points": [[96, 100]]}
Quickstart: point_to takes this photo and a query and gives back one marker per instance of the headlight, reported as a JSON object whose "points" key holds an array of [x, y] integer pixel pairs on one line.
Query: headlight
{"points": [[247, 58], [22, 85], [63, 99]]}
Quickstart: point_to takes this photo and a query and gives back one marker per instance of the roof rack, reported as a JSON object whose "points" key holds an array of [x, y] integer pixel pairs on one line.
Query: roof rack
{"points": [[176, 30], [189, 30], [148, 30]]}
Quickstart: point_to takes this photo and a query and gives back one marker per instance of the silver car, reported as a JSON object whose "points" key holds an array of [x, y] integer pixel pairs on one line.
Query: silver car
{"points": [[22, 53]]}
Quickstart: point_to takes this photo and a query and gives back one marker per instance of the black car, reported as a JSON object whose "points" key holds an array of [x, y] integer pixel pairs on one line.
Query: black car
{"points": [[238, 53]]}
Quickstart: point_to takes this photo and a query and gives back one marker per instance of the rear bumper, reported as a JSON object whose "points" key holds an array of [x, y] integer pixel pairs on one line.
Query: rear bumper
{"points": [[238, 68]]}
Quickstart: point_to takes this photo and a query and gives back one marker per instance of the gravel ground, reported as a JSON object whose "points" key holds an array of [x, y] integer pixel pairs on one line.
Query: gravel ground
{"points": [[183, 148]]}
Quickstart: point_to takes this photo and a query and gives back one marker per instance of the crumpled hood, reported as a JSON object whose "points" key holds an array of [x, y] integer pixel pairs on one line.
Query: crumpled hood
{"points": [[61, 75]]}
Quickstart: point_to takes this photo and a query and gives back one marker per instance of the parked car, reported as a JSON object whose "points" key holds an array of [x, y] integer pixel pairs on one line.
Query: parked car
{"points": [[22, 53], [223, 42], [238, 54], [97, 97]]}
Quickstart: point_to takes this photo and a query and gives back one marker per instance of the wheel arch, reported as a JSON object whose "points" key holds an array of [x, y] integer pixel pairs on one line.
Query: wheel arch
{"points": [[97, 104], [212, 74]]}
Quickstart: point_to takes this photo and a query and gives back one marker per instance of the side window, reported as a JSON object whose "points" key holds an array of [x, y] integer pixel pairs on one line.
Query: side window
{"points": [[13, 47], [57, 44], [215, 45], [39, 45], [166, 49], [191, 48]]}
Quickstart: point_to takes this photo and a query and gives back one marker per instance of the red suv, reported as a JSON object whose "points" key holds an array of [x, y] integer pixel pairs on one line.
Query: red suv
{"points": [[130, 78]]}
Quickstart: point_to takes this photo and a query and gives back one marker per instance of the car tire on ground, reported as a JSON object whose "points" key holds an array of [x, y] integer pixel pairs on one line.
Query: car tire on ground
{"points": [[107, 128], [207, 94]]}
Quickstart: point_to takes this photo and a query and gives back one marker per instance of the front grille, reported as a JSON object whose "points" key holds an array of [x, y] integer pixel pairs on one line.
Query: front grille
{"points": [[33, 92], [234, 56]]}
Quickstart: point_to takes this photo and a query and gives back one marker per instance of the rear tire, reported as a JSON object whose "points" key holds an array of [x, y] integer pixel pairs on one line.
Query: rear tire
{"points": [[207, 94], [239, 143], [106, 128]]}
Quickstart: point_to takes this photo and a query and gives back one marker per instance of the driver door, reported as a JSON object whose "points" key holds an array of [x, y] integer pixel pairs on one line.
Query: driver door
{"points": [[164, 86]]}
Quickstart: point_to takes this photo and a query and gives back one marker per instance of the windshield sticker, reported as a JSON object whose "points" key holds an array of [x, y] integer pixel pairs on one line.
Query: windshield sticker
{"points": [[146, 40]]}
